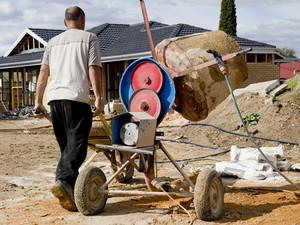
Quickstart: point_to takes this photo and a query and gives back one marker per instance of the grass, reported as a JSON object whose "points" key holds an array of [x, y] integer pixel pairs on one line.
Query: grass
{"points": [[293, 82], [292, 95]]}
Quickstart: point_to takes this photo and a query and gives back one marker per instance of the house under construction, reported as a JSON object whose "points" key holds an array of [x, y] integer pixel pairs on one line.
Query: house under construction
{"points": [[120, 45]]}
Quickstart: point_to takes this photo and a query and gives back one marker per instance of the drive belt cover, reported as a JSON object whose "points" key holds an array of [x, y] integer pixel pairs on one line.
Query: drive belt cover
{"points": [[145, 100], [146, 75]]}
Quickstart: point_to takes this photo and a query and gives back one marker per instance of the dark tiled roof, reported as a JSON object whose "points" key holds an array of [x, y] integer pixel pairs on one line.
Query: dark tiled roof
{"points": [[46, 34], [185, 29], [124, 39], [107, 34], [134, 39], [25, 57], [250, 43]]}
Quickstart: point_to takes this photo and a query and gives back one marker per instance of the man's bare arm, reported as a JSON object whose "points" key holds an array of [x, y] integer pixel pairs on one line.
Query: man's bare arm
{"points": [[95, 78], [40, 89]]}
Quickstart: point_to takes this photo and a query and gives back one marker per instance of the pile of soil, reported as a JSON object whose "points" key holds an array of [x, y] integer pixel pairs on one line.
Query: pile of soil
{"points": [[29, 155]]}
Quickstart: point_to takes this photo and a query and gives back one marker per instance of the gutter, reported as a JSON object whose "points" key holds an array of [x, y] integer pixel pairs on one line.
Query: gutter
{"points": [[36, 62], [147, 54]]}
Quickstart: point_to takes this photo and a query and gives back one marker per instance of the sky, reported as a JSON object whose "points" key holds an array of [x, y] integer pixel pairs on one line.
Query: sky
{"points": [[276, 22]]}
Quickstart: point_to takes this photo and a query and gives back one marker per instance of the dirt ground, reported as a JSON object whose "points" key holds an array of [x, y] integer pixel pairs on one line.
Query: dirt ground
{"points": [[29, 154]]}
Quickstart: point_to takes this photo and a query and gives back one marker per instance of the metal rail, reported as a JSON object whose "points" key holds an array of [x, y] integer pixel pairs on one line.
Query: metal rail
{"points": [[153, 193], [154, 56], [148, 151]]}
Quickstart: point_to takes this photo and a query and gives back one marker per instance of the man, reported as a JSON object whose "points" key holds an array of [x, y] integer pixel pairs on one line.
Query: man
{"points": [[72, 60]]}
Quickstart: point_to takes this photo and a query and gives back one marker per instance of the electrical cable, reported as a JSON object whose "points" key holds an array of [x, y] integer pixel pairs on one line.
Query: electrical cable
{"points": [[192, 143], [234, 133], [243, 135], [225, 150], [191, 219], [194, 159]]}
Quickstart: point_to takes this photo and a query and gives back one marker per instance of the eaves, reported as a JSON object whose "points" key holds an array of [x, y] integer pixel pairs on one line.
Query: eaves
{"points": [[36, 62]]}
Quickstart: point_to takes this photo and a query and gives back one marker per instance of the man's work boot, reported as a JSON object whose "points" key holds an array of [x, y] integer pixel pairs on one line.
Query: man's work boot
{"points": [[65, 194]]}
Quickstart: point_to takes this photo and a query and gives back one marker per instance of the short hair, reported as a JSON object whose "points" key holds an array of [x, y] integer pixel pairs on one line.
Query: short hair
{"points": [[73, 13]]}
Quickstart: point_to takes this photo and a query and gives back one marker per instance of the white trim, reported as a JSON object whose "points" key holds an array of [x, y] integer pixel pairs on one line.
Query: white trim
{"points": [[104, 60], [26, 31], [38, 38]]}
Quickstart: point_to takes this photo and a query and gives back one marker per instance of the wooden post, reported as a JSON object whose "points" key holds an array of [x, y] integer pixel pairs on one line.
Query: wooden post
{"points": [[12, 88], [103, 84]]}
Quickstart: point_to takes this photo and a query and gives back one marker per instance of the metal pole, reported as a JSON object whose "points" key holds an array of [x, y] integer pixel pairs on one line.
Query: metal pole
{"points": [[176, 166], [118, 171], [125, 149], [148, 30], [118, 192]]}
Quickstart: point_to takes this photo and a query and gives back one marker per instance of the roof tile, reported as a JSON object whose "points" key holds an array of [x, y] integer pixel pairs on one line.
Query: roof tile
{"points": [[123, 39]]}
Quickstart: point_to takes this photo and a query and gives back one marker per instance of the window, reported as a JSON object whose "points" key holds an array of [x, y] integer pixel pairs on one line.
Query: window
{"points": [[4, 89], [261, 58], [269, 58], [30, 85], [250, 58]]}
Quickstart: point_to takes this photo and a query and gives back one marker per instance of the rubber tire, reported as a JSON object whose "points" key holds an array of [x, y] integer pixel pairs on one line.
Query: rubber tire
{"points": [[87, 200], [209, 195], [127, 174]]}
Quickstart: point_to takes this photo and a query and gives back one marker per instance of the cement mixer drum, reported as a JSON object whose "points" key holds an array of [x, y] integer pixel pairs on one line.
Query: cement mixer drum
{"points": [[199, 92]]}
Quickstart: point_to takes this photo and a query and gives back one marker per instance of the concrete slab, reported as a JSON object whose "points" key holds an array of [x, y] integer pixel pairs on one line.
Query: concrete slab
{"points": [[261, 88], [278, 90]]}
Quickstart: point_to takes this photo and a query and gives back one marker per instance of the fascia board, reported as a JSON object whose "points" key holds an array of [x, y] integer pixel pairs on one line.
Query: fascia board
{"points": [[26, 31]]}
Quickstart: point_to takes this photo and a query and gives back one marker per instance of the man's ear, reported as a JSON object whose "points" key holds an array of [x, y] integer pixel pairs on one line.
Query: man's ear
{"points": [[83, 22], [65, 22]]}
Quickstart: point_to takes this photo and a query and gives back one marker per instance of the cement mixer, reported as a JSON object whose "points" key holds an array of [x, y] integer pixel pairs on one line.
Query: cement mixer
{"points": [[179, 76], [148, 90], [198, 92]]}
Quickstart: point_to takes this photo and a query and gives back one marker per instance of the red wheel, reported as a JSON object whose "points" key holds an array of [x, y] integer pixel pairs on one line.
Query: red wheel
{"points": [[146, 75], [145, 100]]}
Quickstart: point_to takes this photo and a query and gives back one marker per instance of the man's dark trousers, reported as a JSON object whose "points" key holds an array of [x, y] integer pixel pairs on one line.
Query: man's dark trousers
{"points": [[72, 122]]}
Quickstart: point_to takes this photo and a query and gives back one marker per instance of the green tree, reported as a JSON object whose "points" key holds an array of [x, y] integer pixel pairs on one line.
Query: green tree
{"points": [[228, 17], [289, 52]]}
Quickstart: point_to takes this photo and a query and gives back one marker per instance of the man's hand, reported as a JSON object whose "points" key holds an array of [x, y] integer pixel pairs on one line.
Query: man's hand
{"points": [[97, 109], [40, 111]]}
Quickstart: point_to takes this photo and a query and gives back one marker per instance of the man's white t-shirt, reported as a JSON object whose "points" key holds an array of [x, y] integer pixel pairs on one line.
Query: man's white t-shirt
{"points": [[68, 56]]}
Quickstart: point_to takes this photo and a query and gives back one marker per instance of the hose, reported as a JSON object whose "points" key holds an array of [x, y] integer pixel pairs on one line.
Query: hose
{"points": [[250, 136], [4, 106]]}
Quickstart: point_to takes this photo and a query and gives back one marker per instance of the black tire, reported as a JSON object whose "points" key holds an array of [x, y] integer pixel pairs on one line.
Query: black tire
{"points": [[209, 195], [127, 174], [87, 199]]}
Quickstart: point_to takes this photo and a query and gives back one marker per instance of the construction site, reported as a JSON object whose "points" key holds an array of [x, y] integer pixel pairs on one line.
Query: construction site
{"points": [[185, 140], [29, 154]]}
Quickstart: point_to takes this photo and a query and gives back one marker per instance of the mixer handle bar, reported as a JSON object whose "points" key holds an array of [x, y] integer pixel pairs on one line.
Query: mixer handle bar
{"points": [[209, 63], [243, 51], [47, 116]]}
